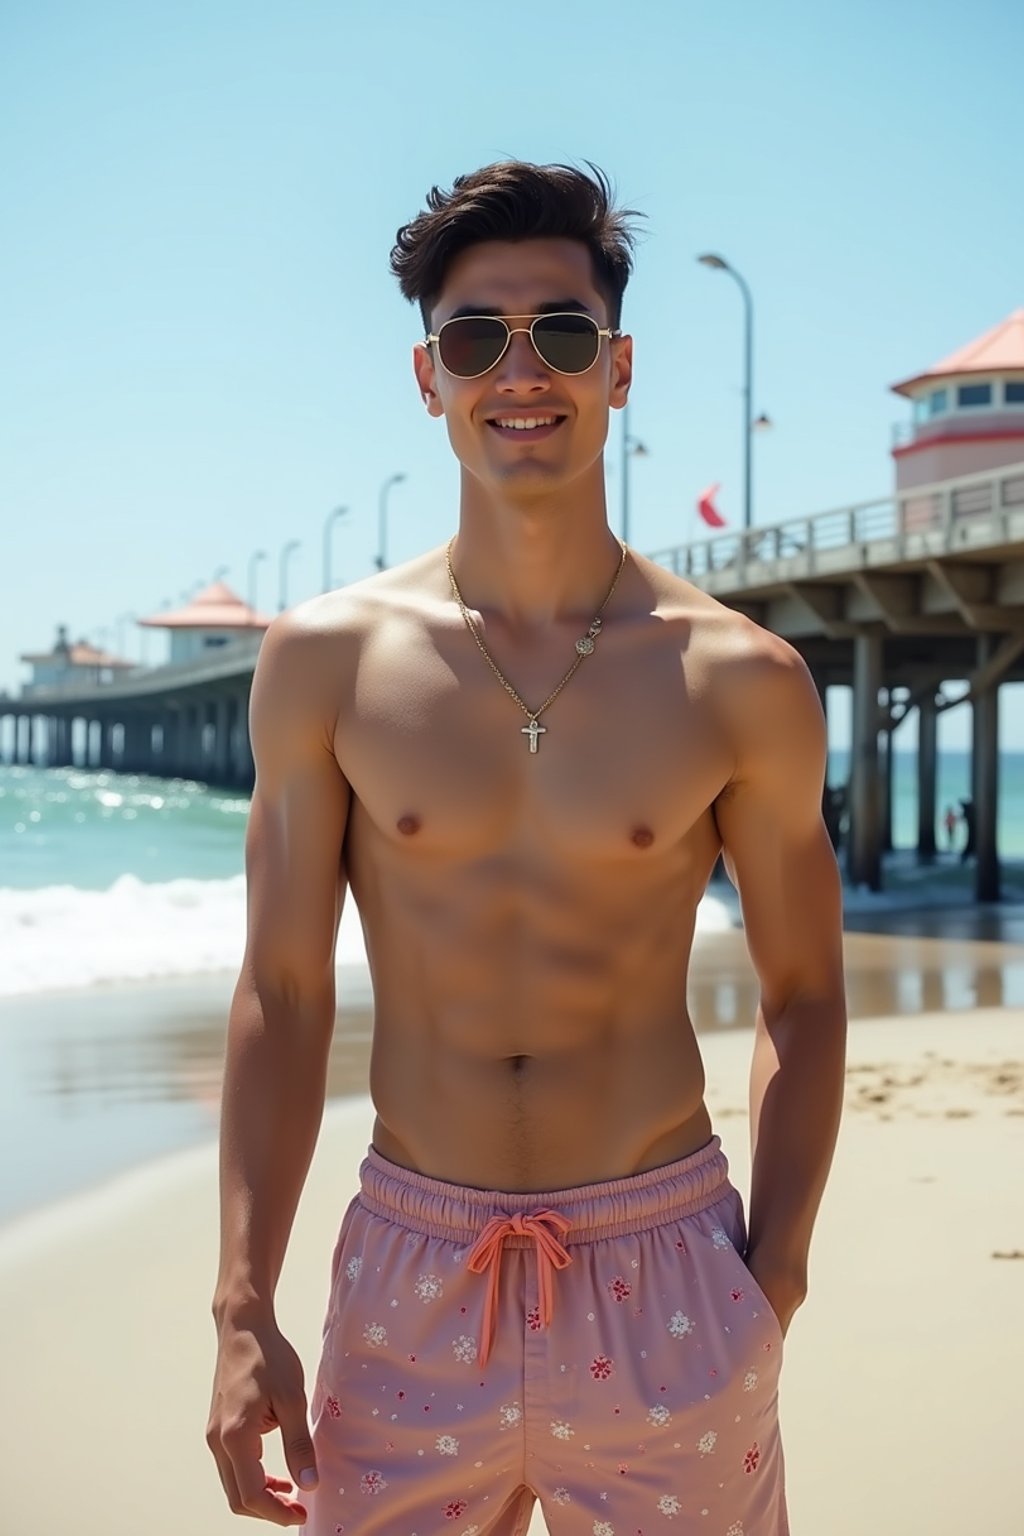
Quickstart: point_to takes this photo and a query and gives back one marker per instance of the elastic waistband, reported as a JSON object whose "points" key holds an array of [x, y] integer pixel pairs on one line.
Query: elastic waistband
{"points": [[633, 1204]]}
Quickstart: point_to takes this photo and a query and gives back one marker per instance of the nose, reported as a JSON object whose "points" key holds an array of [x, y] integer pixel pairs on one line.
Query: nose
{"points": [[521, 370]]}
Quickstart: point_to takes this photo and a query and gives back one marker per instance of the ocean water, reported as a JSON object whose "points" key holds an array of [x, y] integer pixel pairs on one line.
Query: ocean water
{"points": [[108, 878], [953, 784], [111, 878]]}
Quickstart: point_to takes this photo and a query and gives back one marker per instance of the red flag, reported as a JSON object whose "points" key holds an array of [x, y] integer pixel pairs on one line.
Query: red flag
{"points": [[707, 509]]}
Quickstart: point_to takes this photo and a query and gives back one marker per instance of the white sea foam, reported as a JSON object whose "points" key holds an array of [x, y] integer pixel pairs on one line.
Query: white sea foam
{"points": [[62, 937]]}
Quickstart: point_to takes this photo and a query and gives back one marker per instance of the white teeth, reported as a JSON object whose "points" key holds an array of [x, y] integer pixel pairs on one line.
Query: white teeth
{"points": [[525, 423]]}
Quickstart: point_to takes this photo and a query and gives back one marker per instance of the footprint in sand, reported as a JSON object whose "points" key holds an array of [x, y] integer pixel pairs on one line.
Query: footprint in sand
{"points": [[872, 1085]]}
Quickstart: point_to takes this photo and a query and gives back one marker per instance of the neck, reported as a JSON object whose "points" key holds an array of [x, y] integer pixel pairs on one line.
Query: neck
{"points": [[536, 561]]}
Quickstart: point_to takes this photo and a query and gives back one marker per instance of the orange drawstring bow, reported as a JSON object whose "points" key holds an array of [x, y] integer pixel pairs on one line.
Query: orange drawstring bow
{"points": [[487, 1251]]}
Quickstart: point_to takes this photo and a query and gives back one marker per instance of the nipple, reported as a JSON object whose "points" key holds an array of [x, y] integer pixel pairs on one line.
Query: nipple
{"points": [[408, 824], [642, 837]]}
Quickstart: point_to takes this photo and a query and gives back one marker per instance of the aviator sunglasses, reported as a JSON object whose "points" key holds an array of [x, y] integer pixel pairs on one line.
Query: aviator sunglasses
{"points": [[472, 345]]}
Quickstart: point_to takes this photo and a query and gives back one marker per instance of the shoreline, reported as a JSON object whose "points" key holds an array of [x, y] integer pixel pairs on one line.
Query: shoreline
{"points": [[73, 1214], [929, 901], [101, 1079]]}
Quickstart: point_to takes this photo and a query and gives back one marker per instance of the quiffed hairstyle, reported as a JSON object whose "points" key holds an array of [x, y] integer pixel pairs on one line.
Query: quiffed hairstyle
{"points": [[514, 200]]}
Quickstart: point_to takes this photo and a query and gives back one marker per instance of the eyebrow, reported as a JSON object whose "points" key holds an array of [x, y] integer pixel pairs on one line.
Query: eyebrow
{"points": [[553, 307]]}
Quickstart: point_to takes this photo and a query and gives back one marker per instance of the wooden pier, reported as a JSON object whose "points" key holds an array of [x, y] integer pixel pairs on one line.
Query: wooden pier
{"points": [[892, 598]]}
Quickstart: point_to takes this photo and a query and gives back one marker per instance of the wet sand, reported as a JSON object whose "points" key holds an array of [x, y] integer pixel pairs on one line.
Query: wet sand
{"points": [[893, 973], [101, 1079]]}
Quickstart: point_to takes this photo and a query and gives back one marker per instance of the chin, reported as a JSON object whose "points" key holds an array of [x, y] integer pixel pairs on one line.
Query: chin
{"points": [[525, 481]]}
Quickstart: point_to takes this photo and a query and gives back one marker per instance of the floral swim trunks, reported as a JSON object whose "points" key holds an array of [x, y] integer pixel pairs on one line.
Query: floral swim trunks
{"points": [[604, 1349]]}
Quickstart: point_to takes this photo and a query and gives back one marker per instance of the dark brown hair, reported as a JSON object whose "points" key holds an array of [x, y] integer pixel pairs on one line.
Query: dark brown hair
{"points": [[515, 200]]}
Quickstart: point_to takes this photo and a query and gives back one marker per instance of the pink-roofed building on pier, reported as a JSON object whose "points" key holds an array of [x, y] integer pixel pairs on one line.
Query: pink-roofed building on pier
{"points": [[968, 410], [216, 617]]}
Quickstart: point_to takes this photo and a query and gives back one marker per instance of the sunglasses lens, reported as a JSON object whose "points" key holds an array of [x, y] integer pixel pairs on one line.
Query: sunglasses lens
{"points": [[567, 343], [471, 345]]}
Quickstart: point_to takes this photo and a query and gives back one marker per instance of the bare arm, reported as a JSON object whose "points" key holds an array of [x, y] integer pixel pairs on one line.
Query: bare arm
{"points": [[780, 858], [279, 1035]]}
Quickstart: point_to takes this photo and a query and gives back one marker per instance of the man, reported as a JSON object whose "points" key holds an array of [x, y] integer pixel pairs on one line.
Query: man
{"points": [[525, 752]]}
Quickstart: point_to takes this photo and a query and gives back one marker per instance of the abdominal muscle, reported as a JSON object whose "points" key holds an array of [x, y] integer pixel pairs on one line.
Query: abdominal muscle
{"points": [[530, 1045], [540, 1122]]}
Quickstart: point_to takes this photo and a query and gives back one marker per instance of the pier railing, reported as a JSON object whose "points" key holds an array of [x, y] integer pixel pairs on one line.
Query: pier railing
{"points": [[225, 664], [921, 523]]}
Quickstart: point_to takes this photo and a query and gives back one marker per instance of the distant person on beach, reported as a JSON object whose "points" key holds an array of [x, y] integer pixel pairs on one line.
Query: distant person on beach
{"points": [[525, 751], [970, 822], [950, 821], [833, 805]]}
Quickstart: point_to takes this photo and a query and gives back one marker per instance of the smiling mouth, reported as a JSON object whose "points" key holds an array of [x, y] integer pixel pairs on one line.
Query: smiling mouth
{"points": [[526, 429]]}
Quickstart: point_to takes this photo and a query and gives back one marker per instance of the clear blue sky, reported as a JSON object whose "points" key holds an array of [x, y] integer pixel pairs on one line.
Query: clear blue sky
{"points": [[204, 350]]}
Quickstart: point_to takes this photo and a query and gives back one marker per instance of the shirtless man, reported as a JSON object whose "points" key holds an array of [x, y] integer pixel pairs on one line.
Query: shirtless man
{"points": [[547, 1286]]}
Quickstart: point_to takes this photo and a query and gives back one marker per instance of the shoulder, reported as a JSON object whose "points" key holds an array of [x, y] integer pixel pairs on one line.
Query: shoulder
{"points": [[757, 685], [331, 629], [725, 648]]}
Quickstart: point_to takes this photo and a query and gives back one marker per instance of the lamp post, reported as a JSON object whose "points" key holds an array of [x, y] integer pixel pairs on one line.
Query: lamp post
{"points": [[254, 561], [331, 519], [721, 265], [631, 448], [168, 602], [120, 621], [382, 521], [288, 549]]}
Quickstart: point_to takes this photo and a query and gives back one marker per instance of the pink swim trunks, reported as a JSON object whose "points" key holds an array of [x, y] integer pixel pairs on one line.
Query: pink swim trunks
{"points": [[604, 1349]]}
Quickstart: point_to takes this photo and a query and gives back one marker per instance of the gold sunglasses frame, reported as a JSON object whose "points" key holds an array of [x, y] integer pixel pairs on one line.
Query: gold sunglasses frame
{"points": [[603, 332]]}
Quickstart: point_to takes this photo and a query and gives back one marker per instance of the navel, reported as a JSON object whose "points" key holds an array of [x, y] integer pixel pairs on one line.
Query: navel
{"points": [[641, 837], [409, 824]]}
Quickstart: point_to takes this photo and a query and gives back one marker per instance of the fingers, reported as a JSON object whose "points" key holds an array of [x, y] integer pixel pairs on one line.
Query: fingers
{"points": [[259, 1388], [229, 1482], [249, 1490], [298, 1447]]}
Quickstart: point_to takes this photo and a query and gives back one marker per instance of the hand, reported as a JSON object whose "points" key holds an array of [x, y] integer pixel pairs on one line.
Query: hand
{"points": [[784, 1287], [258, 1387]]}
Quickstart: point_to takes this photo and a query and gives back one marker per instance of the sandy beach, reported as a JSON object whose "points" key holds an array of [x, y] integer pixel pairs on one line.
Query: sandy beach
{"points": [[901, 1380]]}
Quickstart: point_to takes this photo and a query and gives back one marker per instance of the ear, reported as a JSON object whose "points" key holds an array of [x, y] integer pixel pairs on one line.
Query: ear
{"points": [[426, 381], [621, 371]]}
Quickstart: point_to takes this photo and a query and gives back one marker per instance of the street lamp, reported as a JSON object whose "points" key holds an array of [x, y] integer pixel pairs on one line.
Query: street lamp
{"points": [[382, 522], [632, 447], [288, 549], [120, 621], [168, 602], [720, 265], [254, 561], [331, 519]]}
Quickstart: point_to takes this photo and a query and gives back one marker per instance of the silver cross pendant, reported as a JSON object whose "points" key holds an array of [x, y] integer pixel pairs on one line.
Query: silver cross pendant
{"points": [[533, 730]]}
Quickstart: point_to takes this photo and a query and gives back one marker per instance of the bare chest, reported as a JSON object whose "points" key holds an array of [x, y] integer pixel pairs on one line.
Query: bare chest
{"points": [[627, 758]]}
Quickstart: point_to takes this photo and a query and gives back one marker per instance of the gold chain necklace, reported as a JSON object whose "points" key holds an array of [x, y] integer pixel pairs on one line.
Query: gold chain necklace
{"points": [[584, 647]]}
